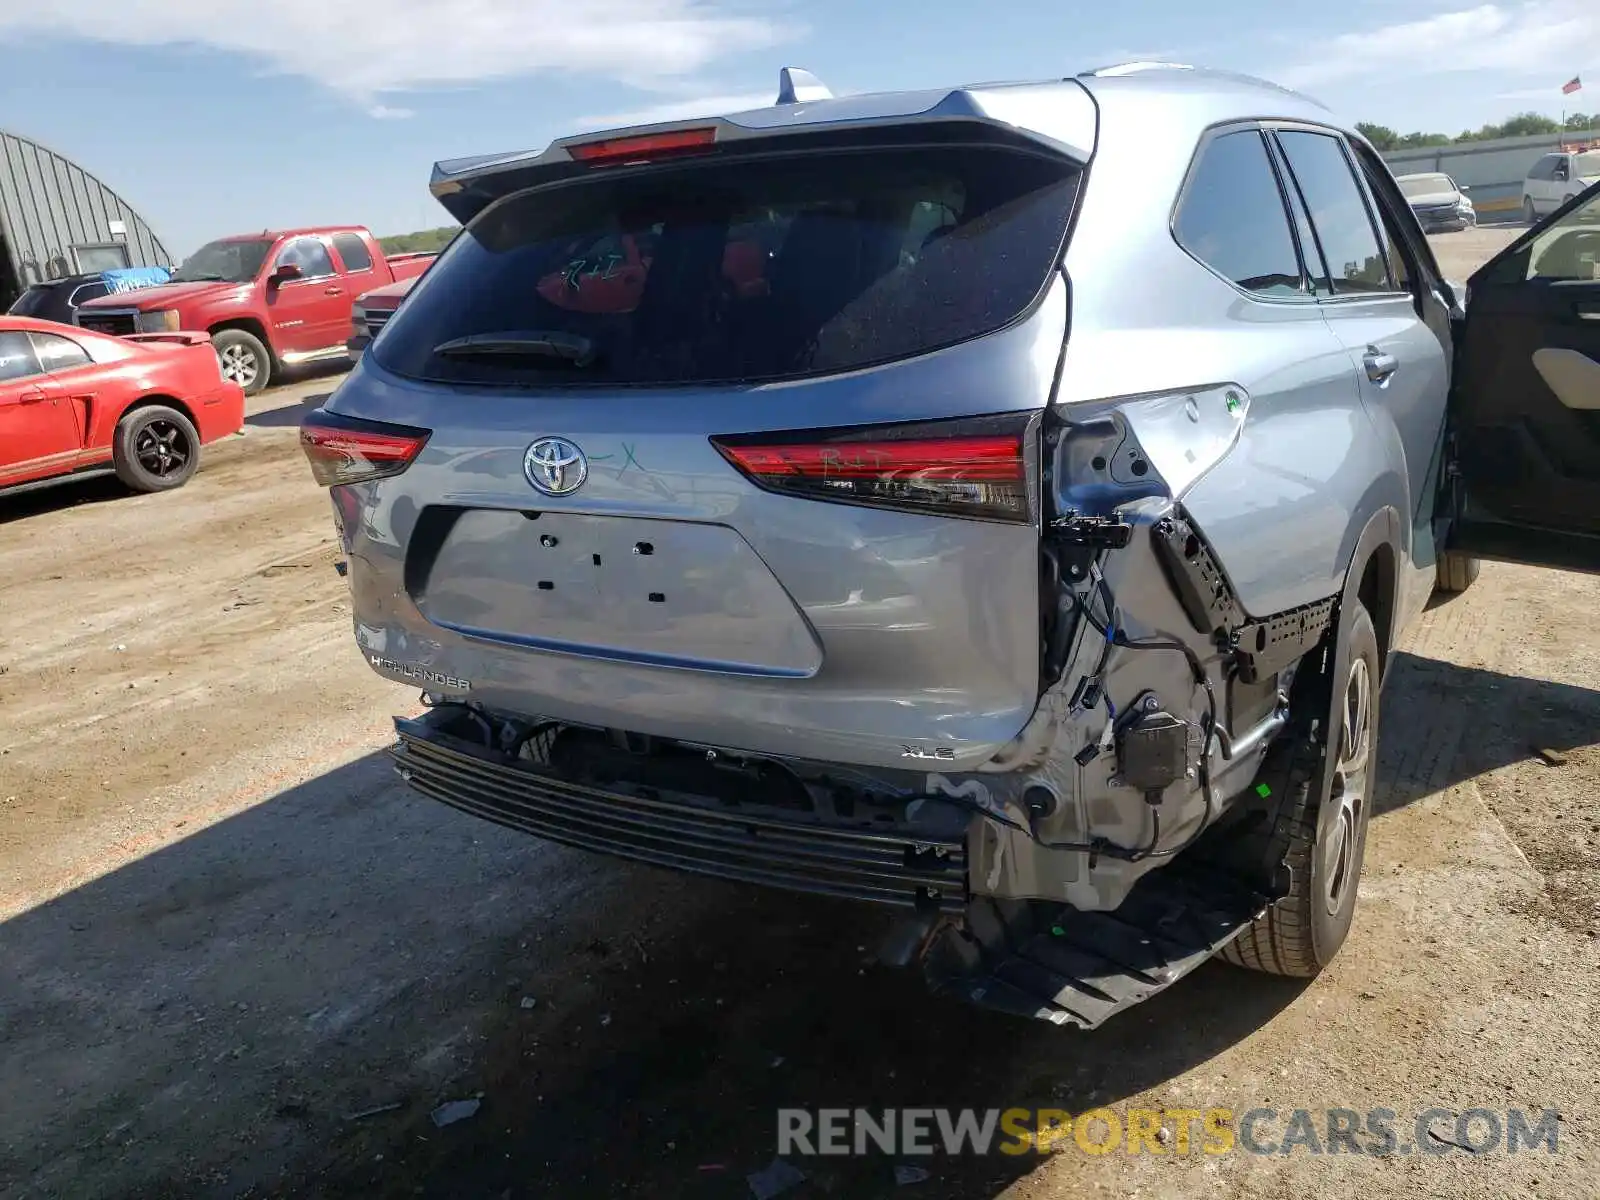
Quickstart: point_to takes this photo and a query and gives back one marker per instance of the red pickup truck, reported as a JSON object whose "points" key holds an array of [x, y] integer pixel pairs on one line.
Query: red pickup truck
{"points": [[268, 300]]}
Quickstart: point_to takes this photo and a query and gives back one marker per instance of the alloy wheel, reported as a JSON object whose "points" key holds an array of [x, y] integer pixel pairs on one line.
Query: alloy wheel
{"points": [[239, 365], [162, 448], [1351, 784]]}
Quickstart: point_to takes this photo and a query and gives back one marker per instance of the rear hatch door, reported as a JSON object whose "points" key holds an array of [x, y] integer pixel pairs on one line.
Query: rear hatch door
{"points": [[733, 448]]}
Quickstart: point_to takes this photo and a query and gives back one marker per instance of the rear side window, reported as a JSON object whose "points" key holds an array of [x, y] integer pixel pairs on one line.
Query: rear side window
{"points": [[735, 270], [89, 291], [352, 252], [1355, 258], [1231, 217], [17, 360], [59, 353]]}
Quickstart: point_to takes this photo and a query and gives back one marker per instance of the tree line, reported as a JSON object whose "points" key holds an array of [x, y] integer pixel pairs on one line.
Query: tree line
{"points": [[1521, 125], [422, 240]]}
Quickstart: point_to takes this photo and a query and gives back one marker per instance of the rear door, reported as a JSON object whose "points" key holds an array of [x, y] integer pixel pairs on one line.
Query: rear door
{"points": [[1525, 404], [1540, 185], [37, 433], [1372, 280]]}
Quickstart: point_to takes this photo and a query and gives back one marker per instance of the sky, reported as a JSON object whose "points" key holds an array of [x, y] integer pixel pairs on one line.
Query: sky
{"points": [[221, 116]]}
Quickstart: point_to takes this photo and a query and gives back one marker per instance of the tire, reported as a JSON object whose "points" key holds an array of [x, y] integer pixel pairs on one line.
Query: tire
{"points": [[155, 449], [1455, 573], [1528, 215], [244, 360], [1325, 784]]}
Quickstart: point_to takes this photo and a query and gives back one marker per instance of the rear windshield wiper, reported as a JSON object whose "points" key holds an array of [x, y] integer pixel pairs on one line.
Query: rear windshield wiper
{"points": [[522, 343]]}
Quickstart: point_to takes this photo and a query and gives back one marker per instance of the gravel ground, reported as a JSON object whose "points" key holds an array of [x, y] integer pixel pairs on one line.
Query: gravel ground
{"points": [[227, 933]]}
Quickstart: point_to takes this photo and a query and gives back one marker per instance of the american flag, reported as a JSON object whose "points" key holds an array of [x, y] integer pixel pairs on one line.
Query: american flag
{"points": [[1571, 85]]}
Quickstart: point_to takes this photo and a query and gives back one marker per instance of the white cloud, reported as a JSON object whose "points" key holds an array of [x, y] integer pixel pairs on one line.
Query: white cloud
{"points": [[1554, 38], [386, 112], [365, 49], [679, 110]]}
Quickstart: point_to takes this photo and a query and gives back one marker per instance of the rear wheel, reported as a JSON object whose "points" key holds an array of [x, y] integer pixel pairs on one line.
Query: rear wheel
{"points": [[155, 449], [1528, 215], [1323, 777], [243, 358], [1455, 573]]}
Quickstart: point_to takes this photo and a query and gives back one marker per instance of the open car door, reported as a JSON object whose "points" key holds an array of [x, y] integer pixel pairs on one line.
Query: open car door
{"points": [[1525, 398]]}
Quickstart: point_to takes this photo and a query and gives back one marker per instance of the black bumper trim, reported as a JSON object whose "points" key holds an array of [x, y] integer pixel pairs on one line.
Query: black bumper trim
{"points": [[797, 855]]}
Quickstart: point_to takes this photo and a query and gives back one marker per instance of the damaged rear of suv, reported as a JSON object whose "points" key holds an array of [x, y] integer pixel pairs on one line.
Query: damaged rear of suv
{"points": [[946, 500]]}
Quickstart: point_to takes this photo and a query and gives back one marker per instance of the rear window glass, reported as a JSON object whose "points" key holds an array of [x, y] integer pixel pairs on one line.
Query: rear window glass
{"points": [[33, 301], [730, 271]]}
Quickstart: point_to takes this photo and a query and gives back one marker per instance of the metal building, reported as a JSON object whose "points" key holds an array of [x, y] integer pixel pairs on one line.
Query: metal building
{"points": [[56, 219]]}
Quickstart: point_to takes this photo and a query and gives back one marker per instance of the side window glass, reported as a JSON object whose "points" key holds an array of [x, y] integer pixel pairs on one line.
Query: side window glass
{"points": [[59, 353], [1394, 238], [1338, 209], [17, 360], [1570, 248], [310, 255], [89, 291], [1231, 217], [1316, 269], [353, 251]]}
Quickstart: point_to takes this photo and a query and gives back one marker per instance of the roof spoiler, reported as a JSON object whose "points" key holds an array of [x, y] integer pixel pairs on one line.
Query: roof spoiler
{"points": [[1065, 123]]}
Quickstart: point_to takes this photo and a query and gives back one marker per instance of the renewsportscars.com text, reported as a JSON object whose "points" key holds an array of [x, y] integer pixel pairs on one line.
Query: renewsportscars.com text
{"points": [[1015, 1131]]}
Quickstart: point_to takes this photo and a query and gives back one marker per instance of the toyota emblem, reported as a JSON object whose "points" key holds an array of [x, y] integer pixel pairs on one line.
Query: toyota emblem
{"points": [[555, 466]]}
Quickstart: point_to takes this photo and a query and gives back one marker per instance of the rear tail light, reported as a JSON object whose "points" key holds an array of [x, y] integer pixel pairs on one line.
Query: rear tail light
{"points": [[645, 147], [969, 468], [347, 450]]}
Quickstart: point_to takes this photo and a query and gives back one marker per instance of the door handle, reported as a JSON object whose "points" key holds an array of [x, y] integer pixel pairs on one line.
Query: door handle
{"points": [[34, 396], [1587, 312], [333, 291], [1380, 366]]}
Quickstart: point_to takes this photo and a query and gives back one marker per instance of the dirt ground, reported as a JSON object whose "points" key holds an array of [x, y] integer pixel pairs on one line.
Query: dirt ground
{"points": [[237, 958]]}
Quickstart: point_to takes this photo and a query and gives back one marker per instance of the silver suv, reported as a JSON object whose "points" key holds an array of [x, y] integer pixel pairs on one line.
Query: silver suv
{"points": [[997, 503]]}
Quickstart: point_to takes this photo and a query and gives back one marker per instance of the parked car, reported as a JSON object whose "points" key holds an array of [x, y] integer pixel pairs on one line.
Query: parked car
{"points": [[1440, 204], [603, 274], [1557, 178], [1052, 614], [74, 402], [372, 309], [268, 300], [58, 299]]}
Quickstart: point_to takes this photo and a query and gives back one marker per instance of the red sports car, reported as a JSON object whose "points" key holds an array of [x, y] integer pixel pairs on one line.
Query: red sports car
{"points": [[75, 402]]}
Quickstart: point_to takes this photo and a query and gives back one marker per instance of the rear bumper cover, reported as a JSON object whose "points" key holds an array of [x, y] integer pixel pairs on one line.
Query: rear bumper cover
{"points": [[679, 832], [218, 413]]}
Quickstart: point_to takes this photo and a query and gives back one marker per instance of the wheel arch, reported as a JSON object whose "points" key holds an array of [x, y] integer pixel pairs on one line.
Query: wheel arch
{"points": [[1373, 578], [250, 325], [158, 400]]}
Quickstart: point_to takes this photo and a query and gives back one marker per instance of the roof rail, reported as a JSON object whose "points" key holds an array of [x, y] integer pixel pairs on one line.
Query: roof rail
{"points": [[1133, 68], [1138, 68], [799, 86]]}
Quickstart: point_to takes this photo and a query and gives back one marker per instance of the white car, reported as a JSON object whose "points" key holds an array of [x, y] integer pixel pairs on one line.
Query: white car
{"points": [[1557, 178]]}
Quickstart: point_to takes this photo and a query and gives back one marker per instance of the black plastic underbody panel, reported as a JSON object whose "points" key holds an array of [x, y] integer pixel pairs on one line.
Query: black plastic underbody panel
{"points": [[1261, 646], [1081, 968], [684, 833]]}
